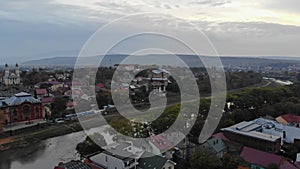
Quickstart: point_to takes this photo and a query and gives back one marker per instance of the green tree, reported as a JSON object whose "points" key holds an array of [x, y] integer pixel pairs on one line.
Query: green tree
{"points": [[298, 76], [88, 146], [205, 160], [58, 106], [230, 162]]}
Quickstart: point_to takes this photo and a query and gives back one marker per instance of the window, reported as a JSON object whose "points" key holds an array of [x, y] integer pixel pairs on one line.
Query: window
{"points": [[37, 110], [26, 109], [14, 112]]}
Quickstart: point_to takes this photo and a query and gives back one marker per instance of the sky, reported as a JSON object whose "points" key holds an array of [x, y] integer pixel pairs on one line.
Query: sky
{"points": [[35, 29]]}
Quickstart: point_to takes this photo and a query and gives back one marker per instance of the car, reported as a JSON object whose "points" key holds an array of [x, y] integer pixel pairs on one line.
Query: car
{"points": [[59, 120]]}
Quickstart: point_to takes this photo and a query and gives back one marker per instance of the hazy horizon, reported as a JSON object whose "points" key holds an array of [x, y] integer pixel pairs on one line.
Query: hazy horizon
{"points": [[34, 29]]}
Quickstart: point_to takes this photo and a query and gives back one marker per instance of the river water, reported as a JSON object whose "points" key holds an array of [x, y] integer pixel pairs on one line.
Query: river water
{"points": [[48, 153], [44, 155]]}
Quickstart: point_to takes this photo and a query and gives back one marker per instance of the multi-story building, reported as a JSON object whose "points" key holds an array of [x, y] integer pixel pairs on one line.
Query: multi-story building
{"points": [[250, 134], [21, 107]]}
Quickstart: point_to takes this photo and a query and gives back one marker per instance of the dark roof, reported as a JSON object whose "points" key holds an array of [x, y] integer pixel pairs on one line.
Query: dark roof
{"points": [[151, 161], [290, 118], [41, 91], [258, 157], [217, 144], [20, 98], [263, 159], [221, 136], [73, 165], [47, 99]]}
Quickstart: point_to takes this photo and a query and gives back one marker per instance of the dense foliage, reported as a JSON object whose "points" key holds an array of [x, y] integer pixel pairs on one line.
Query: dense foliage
{"points": [[91, 144]]}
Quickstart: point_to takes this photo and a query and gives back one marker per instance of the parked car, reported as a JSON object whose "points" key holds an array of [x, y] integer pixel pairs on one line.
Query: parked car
{"points": [[59, 120]]}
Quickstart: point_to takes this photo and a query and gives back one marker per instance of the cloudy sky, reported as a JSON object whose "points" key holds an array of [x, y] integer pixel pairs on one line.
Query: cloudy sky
{"points": [[34, 29]]}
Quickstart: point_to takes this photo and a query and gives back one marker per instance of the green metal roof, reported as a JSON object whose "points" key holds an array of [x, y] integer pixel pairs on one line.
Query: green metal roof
{"points": [[217, 144], [151, 161]]}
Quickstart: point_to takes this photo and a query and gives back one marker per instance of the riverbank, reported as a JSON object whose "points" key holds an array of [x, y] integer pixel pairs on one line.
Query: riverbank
{"points": [[21, 141]]}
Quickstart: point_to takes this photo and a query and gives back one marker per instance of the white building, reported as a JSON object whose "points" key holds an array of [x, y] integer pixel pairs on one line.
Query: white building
{"points": [[11, 77], [288, 134], [118, 156], [128, 156]]}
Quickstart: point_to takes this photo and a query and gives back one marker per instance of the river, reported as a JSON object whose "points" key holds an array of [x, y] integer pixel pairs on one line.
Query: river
{"points": [[44, 155], [47, 153]]}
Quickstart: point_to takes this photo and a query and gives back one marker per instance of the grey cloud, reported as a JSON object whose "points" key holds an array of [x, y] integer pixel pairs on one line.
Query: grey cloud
{"points": [[35, 11], [122, 7], [167, 6], [220, 3], [290, 6], [211, 2], [256, 29], [253, 38]]}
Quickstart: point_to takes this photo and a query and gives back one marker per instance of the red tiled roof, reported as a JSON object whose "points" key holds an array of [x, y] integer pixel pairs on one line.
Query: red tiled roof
{"points": [[221, 136], [71, 104], [76, 83], [47, 99], [41, 91], [100, 85], [290, 118], [288, 165], [263, 159], [161, 142]]}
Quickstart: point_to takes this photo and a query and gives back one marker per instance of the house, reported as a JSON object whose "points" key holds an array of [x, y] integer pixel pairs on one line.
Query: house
{"points": [[99, 87], [216, 146], [221, 136], [72, 165], [151, 161], [51, 85], [126, 155], [260, 160], [22, 107], [184, 150], [2, 114], [161, 145], [70, 105], [116, 156], [289, 119], [156, 81], [75, 93], [233, 148], [74, 84], [40, 93]]}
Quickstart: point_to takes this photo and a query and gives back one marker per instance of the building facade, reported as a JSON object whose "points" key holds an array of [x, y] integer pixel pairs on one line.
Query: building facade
{"points": [[21, 107], [10, 78], [250, 134]]}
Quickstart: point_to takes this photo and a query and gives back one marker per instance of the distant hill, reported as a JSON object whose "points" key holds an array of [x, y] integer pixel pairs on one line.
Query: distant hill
{"points": [[191, 60], [52, 61]]}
